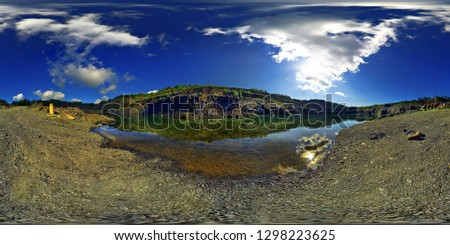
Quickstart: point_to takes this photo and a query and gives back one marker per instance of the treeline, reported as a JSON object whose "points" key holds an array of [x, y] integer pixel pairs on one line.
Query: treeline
{"points": [[57, 103], [419, 101], [202, 90], [3, 103], [184, 88], [213, 90], [25, 102], [436, 98]]}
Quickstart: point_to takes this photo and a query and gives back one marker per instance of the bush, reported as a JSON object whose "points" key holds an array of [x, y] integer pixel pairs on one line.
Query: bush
{"points": [[3, 103], [25, 102]]}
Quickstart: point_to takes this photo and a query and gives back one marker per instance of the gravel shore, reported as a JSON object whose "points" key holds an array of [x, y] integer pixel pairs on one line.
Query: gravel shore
{"points": [[54, 170]]}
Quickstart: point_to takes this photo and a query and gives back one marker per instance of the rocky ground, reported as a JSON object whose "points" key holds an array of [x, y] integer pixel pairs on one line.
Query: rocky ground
{"points": [[53, 170]]}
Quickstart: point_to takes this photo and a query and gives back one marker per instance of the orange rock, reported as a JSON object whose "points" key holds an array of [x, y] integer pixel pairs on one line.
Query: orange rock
{"points": [[417, 135]]}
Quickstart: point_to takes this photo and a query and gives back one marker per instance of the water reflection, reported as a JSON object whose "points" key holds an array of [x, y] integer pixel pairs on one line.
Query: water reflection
{"points": [[312, 148], [274, 153], [210, 130]]}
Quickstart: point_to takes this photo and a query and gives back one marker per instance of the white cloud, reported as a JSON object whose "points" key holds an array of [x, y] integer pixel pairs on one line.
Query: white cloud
{"points": [[3, 26], [163, 40], [324, 48], [437, 12], [127, 77], [76, 100], [79, 35], [98, 101], [9, 14], [106, 90], [340, 94], [79, 29], [8, 10], [18, 98], [152, 91], [49, 95], [28, 27], [129, 14], [213, 31], [90, 75]]}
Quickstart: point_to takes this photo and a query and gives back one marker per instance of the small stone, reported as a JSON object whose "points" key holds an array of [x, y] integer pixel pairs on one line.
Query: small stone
{"points": [[417, 135]]}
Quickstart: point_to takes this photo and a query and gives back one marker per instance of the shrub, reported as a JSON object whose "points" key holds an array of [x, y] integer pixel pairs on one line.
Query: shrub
{"points": [[3, 103], [24, 102]]}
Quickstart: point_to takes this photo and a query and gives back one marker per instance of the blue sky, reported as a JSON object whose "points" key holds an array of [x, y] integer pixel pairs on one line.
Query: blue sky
{"points": [[362, 53]]}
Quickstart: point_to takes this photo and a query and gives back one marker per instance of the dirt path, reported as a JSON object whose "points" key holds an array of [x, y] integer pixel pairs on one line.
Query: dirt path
{"points": [[53, 170]]}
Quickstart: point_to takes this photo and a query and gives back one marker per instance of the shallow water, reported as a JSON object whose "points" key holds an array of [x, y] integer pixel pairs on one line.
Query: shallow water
{"points": [[275, 153]]}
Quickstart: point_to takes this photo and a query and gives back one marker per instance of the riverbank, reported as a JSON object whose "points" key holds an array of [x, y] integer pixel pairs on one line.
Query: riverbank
{"points": [[55, 171]]}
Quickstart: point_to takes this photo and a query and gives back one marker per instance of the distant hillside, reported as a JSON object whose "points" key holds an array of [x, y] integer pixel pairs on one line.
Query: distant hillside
{"points": [[391, 109], [224, 100], [189, 98], [201, 91], [186, 99]]}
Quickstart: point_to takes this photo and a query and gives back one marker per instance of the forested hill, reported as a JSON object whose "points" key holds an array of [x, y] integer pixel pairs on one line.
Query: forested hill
{"points": [[194, 97]]}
